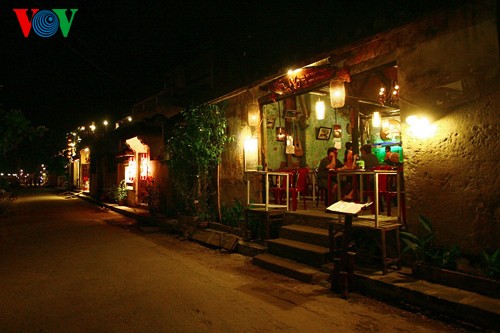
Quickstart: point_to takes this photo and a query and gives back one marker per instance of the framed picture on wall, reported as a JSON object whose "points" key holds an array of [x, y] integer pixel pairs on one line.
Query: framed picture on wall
{"points": [[290, 114], [324, 133], [270, 122]]}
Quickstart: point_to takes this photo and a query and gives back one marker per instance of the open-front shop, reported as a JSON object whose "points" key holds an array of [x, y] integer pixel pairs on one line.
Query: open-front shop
{"points": [[302, 120], [311, 109]]}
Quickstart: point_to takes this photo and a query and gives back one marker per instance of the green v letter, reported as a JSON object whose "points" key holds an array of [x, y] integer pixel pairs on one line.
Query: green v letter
{"points": [[63, 19]]}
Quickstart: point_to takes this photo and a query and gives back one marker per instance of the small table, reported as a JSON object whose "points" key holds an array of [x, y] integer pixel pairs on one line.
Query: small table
{"points": [[266, 175], [376, 174]]}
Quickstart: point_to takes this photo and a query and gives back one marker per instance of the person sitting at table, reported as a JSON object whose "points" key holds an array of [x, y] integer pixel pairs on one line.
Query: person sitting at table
{"points": [[388, 153], [368, 157], [393, 160], [370, 160], [348, 157], [330, 162]]}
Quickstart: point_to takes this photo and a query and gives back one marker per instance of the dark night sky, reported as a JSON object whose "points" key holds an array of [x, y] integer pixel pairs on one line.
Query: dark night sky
{"points": [[117, 52]]}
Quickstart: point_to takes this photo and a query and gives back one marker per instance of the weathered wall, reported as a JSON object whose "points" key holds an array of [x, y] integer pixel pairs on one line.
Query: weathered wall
{"points": [[232, 173], [449, 72]]}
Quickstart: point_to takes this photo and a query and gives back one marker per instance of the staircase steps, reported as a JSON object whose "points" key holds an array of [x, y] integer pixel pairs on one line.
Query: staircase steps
{"points": [[305, 234], [306, 253], [289, 268]]}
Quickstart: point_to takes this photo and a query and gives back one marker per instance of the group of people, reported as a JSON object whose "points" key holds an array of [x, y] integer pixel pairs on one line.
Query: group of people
{"points": [[332, 163]]}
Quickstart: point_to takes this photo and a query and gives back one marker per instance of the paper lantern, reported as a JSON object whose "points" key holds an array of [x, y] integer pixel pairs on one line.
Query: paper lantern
{"points": [[337, 93], [320, 110]]}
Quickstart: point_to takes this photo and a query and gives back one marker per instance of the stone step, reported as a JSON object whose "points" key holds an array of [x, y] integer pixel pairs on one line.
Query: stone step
{"points": [[306, 234], [305, 253], [289, 268]]}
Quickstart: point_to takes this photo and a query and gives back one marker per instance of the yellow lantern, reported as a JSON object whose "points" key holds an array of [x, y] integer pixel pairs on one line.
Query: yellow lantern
{"points": [[337, 93]]}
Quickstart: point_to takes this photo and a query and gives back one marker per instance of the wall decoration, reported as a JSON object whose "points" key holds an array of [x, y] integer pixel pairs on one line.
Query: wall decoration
{"points": [[337, 131], [390, 130], [270, 122], [290, 114], [324, 133]]}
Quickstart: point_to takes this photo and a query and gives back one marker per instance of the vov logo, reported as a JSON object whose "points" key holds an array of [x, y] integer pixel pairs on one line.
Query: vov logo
{"points": [[45, 23]]}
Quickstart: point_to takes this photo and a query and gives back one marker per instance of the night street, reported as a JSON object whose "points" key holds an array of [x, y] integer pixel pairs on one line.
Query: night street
{"points": [[65, 266]]}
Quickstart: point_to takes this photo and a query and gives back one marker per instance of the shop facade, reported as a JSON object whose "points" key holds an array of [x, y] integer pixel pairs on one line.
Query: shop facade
{"points": [[438, 110], [429, 90]]}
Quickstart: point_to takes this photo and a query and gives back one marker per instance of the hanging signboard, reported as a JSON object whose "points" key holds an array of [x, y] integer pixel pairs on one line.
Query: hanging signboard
{"points": [[301, 79]]}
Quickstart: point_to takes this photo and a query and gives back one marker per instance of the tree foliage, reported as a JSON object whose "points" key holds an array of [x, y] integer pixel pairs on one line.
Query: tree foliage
{"points": [[14, 129], [195, 149]]}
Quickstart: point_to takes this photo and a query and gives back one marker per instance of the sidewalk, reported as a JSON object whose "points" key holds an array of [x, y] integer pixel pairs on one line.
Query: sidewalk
{"points": [[474, 311]]}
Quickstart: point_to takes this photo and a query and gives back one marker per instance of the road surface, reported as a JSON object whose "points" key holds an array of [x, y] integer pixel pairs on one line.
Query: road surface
{"points": [[67, 265]]}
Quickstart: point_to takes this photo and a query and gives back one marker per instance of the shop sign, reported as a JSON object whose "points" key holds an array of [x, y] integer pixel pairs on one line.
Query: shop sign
{"points": [[304, 78]]}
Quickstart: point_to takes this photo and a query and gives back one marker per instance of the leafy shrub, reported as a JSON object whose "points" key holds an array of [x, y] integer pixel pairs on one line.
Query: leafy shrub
{"points": [[491, 264], [420, 245], [231, 215]]}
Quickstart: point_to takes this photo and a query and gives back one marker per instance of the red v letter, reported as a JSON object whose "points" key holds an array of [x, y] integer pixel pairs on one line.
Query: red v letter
{"points": [[24, 22]]}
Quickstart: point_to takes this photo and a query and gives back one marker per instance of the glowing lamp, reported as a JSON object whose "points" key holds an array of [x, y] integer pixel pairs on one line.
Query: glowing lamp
{"points": [[253, 114], [320, 110], [280, 134], [420, 127], [376, 120], [337, 93]]}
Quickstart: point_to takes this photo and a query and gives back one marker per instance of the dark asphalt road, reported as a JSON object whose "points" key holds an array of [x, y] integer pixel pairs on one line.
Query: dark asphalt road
{"points": [[63, 268]]}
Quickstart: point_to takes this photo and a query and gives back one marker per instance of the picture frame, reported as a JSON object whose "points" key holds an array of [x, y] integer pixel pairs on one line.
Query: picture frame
{"points": [[290, 114], [324, 133], [270, 122]]}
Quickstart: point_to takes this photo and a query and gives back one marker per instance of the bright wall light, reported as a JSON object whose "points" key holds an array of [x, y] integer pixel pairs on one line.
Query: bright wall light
{"points": [[376, 120], [251, 145], [251, 148], [420, 127], [320, 110]]}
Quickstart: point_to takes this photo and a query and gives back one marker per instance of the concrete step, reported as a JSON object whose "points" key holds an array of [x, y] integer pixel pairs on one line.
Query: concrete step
{"points": [[289, 268], [305, 253], [305, 234]]}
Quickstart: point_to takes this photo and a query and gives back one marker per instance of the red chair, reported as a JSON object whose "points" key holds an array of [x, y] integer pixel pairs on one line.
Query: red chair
{"points": [[280, 185], [298, 187], [387, 189]]}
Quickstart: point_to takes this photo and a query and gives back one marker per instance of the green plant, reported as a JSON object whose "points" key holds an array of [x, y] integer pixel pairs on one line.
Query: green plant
{"points": [[195, 150], [118, 193], [231, 215], [420, 245], [491, 264], [446, 258]]}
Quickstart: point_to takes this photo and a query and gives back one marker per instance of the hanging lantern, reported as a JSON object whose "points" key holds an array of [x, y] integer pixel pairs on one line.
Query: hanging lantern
{"points": [[320, 110], [376, 120], [280, 134], [253, 114], [337, 93]]}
